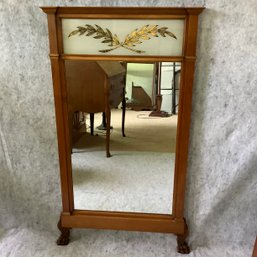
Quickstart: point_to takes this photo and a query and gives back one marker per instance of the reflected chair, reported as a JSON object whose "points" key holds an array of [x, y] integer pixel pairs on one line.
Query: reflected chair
{"points": [[94, 87]]}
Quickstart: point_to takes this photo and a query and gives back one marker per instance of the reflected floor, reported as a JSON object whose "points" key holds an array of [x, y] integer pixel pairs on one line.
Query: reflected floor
{"points": [[139, 175]]}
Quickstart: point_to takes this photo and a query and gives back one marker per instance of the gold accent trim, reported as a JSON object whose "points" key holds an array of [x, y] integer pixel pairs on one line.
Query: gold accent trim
{"points": [[131, 40], [54, 56], [190, 58]]}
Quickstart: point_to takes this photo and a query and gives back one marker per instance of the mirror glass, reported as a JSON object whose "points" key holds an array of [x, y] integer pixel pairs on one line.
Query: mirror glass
{"points": [[128, 111]]}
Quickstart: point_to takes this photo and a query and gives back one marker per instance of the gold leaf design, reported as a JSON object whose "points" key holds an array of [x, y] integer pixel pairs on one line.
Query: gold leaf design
{"points": [[97, 32], [131, 40]]}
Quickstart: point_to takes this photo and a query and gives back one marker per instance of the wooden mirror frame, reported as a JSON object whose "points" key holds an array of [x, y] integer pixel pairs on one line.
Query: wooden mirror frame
{"points": [[71, 218]]}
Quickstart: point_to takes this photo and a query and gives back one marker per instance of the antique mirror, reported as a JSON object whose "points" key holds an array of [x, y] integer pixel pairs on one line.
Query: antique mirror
{"points": [[122, 80]]}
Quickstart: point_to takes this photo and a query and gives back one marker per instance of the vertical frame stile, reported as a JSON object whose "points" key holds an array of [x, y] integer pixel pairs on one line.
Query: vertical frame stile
{"points": [[177, 170], [60, 110], [65, 112], [184, 118]]}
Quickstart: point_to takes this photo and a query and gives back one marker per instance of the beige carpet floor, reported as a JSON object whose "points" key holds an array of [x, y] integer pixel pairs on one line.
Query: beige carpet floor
{"points": [[139, 175]]}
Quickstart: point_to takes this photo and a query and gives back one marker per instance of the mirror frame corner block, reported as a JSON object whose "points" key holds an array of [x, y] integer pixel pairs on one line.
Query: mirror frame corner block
{"points": [[72, 218]]}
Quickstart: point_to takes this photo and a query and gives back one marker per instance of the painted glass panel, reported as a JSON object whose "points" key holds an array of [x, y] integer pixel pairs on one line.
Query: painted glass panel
{"points": [[123, 37]]}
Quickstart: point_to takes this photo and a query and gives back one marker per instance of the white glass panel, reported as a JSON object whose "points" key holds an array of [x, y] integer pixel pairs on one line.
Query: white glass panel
{"points": [[123, 37]]}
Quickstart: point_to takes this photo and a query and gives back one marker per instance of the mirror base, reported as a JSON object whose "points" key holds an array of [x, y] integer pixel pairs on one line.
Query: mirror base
{"points": [[64, 238]]}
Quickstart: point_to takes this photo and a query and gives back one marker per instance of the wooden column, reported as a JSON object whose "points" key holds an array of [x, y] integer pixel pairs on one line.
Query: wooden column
{"points": [[61, 111]]}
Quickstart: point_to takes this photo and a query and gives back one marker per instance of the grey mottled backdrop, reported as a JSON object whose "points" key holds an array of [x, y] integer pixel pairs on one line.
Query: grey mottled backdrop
{"points": [[222, 173]]}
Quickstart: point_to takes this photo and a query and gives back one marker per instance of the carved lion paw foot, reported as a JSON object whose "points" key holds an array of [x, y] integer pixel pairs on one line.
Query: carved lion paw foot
{"points": [[183, 248], [64, 239]]}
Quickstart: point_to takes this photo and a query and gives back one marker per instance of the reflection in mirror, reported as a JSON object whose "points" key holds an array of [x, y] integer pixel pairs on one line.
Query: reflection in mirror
{"points": [[127, 112]]}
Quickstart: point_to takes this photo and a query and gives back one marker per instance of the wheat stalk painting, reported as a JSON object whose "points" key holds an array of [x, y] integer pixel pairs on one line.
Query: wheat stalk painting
{"points": [[131, 40]]}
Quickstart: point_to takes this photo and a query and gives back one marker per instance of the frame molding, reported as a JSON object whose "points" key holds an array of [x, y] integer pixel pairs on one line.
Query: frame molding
{"points": [[168, 223]]}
